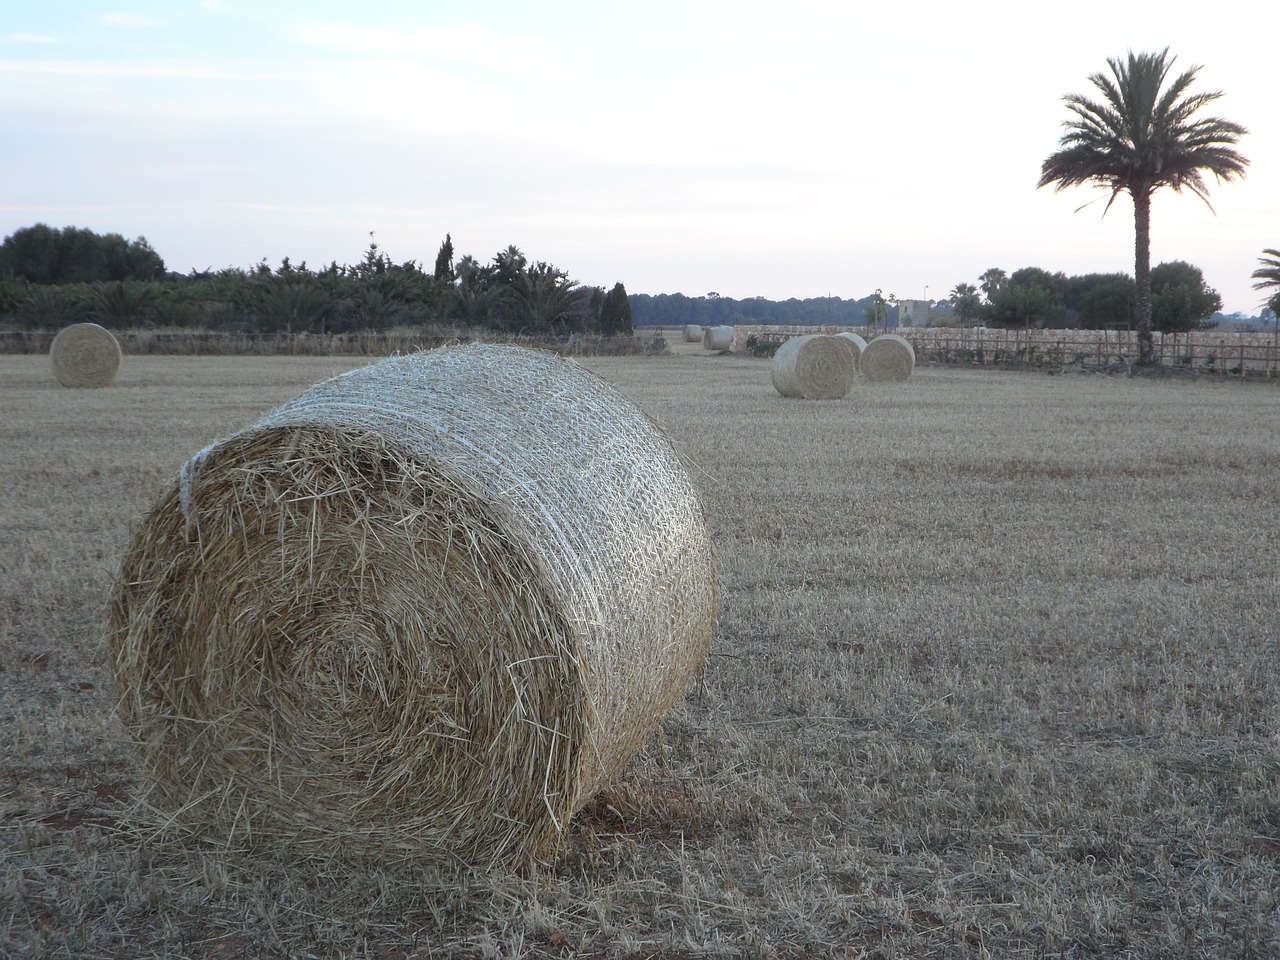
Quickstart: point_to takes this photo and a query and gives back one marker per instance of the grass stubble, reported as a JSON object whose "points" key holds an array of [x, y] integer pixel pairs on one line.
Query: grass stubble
{"points": [[996, 675]]}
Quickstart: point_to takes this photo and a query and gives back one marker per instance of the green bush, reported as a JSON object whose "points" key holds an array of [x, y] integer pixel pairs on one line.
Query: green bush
{"points": [[761, 348]]}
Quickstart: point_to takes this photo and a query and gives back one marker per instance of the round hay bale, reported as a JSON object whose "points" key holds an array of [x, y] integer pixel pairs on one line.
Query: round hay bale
{"points": [[888, 357], [854, 344], [692, 333], [717, 338], [814, 367], [858, 343], [85, 355], [428, 607]]}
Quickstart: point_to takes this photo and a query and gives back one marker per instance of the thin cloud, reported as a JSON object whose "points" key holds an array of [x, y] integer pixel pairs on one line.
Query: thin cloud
{"points": [[129, 20], [86, 68], [472, 45], [28, 38]]}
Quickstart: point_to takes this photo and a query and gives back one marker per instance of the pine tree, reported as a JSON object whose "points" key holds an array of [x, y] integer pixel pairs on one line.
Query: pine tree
{"points": [[444, 261], [615, 313]]}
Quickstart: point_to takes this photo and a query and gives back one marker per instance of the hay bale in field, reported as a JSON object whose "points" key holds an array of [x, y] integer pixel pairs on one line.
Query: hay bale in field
{"points": [[888, 357], [429, 607], [85, 355], [814, 367], [717, 338], [692, 333], [858, 344]]}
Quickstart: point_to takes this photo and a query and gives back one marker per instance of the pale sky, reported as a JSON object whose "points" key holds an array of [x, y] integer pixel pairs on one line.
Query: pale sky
{"points": [[782, 150]]}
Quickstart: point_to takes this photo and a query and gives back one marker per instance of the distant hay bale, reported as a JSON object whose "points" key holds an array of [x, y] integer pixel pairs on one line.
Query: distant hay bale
{"points": [[814, 367], [85, 355], [888, 357], [427, 608], [717, 338], [692, 333], [858, 343]]}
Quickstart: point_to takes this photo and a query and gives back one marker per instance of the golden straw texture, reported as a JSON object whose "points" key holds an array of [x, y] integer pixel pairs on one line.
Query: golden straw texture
{"points": [[85, 355], [888, 357], [427, 608], [814, 367], [717, 338]]}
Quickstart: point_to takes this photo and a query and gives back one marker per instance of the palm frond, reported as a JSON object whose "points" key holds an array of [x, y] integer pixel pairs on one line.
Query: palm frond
{"points": [[1143, 133], [1268, 275]]}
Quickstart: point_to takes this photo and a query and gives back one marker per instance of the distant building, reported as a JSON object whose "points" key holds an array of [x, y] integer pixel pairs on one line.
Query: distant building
{"points": [[912, 313]]}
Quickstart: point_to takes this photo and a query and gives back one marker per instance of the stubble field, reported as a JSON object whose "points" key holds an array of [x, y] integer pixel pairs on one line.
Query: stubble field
{"points": [[996, 675]]}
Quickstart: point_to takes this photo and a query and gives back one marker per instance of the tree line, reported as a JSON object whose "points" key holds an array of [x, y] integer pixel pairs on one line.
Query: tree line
{"points": [[1034, 297], [712, 310], [50, 277], [1030, 297], [1141, 134]]}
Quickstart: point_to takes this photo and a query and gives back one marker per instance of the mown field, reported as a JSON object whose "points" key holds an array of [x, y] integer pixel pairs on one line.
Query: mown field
{"points": [[997, 674]]}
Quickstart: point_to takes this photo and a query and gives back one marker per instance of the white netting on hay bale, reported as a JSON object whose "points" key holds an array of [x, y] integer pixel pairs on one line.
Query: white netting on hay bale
{"points": [[692, 333], [814, 367], [717, 338], [85, 355], [888, 357], [430, 607]]}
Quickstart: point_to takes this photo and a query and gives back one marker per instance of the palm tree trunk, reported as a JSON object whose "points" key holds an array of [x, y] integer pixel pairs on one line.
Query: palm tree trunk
{"points": [[1142, 275]]}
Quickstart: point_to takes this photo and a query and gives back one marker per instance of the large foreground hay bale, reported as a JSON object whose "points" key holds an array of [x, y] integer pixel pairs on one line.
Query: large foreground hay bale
{"points": [[814, 367], [888, 357], [692, 333], [429, 606], [85, 355], [717, 338]]}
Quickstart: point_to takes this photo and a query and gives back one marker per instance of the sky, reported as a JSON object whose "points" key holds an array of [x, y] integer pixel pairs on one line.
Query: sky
{"points": [[800, 149]]}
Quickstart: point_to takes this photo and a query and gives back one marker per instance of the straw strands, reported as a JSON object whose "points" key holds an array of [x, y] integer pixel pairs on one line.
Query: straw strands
{"points": [[427, 608], [717, 338], [858, 345], [814, 367], [692, 333], [888, 357], [85, 355]]}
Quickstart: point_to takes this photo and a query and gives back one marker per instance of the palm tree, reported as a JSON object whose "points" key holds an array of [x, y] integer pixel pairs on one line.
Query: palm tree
{"points": [[542, 299], [964, 298], [992, 280], [122, 302], [1268, 277], [470, 303], [1140, 137]]}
